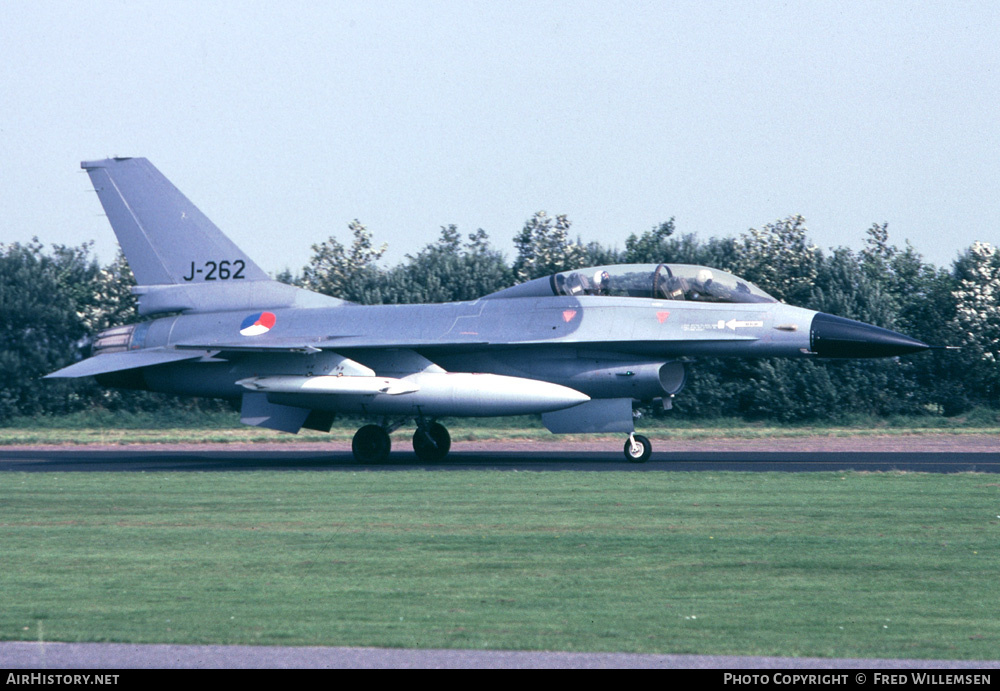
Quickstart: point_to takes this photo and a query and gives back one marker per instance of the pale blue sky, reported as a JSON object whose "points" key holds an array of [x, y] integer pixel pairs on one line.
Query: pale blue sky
{"points": [[284, 121]]}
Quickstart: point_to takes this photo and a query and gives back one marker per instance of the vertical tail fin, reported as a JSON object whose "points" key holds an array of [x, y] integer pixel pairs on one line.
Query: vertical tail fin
{"points": [[166, 239]]}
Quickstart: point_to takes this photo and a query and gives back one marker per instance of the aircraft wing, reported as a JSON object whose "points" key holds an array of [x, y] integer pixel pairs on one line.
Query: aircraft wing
{"points": [[116, 362], [273, 346], [313, 346]]}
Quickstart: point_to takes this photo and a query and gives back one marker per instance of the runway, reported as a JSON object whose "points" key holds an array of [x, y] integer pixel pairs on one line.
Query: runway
{"points": [[936, 455], [931, 454], [119, 656]]}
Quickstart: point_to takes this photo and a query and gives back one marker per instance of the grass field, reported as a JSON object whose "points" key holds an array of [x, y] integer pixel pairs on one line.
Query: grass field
{"points": [[123, 437], [817, 564], [104, 427]]}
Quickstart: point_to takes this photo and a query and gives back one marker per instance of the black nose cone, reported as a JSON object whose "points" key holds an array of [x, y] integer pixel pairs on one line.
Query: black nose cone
{"points": [[838, 337]]}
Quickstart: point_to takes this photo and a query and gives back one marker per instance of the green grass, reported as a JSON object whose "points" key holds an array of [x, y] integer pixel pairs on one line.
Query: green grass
{"points": [[818, 564], [122, 427], [114, 436]]}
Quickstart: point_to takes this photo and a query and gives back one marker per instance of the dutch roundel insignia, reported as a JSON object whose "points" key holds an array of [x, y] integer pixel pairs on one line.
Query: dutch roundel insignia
{"points": [[257, 324]]}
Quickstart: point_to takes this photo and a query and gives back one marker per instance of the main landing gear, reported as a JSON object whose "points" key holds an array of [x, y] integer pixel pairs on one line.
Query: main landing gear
{"points": [[372, 444], [431, 442]]}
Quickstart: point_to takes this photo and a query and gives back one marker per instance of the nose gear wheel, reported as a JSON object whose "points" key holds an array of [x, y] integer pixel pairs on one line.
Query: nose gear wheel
{"points": [[637, 448]]}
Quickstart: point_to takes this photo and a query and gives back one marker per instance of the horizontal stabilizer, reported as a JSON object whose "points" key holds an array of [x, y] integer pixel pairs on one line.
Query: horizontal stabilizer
{"points": [[116, 362]]}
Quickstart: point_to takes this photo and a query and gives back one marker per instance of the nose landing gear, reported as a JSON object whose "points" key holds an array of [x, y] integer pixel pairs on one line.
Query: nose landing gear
{"points": [[637, 448]]}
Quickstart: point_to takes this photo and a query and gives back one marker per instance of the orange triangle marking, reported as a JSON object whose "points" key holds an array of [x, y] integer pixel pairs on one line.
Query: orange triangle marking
{"points": [[662, 316], [568, 315]]}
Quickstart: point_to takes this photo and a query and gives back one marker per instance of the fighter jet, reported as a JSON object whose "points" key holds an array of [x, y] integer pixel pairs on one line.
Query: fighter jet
{"points": [[578, 347]]}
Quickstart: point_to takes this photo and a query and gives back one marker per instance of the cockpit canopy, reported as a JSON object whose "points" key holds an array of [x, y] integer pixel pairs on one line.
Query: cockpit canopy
{"points": [[656, 281]]}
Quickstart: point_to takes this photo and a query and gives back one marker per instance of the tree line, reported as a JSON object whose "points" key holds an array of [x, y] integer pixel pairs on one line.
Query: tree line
{"points": [[52, 300]]}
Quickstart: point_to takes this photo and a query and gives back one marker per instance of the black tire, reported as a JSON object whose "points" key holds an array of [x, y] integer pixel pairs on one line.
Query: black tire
{"points": [[644, 447], [371, 445], [432, 442]]}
